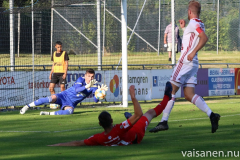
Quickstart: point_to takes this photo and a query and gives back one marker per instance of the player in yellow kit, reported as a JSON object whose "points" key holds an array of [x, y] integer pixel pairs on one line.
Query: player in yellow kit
{"points": [[59, 68]]}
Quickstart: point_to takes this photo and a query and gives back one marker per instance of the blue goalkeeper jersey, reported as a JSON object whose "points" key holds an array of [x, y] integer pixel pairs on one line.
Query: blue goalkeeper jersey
{"points": [[78, 92]]}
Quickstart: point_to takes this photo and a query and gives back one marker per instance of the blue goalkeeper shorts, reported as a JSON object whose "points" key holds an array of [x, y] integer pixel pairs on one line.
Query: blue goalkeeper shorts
{"points": [[63, 101]]}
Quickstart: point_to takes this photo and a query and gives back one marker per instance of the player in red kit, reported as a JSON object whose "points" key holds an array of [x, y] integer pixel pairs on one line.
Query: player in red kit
{"points": [[128, 132]]}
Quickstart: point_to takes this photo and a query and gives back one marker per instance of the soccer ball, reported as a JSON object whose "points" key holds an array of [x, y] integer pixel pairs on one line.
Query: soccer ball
{"points": [[54, 106], [100, 94]]}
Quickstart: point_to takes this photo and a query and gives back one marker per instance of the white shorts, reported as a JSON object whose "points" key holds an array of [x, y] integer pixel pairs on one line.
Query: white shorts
{"points": [[169, 48], [184, 74]]}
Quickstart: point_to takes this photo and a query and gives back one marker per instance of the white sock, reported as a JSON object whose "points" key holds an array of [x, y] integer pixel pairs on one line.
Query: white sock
{"points": [[168, 109], [32, 104], [201, 104], [52, 113]]}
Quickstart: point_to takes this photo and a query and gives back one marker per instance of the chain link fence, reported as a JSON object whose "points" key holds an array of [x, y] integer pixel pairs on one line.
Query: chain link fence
{"points": [[90, 31], [74, 22]]}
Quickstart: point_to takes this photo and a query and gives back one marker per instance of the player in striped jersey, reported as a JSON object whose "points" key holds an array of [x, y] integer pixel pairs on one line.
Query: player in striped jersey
{"points": [[185, 71], [68, 99]]}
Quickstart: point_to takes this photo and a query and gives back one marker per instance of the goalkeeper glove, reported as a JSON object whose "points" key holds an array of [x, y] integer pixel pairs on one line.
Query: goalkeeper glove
{"points": [[103, 87], [92, 83]]}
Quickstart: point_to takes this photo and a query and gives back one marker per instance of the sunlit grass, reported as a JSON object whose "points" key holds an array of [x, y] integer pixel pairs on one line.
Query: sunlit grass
{"points": [[136, 58], [27, 136]]}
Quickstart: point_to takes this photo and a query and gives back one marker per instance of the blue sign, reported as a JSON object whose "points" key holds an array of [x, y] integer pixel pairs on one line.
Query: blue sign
{"points": [[221, 81], [155, 81]]}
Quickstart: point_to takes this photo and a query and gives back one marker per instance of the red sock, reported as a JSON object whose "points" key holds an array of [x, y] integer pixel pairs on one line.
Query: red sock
{"points": [[161, 106]]}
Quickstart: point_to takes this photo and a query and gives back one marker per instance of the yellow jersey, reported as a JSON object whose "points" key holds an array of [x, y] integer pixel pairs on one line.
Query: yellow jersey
{"points": [[59, 63]]}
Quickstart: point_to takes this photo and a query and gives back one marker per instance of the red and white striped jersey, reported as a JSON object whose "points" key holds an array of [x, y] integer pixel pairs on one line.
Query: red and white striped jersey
{"points": [[190, 40]]}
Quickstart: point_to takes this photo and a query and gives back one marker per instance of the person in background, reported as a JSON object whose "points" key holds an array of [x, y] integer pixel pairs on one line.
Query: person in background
{"points": [[168, 39], [59, 68]]}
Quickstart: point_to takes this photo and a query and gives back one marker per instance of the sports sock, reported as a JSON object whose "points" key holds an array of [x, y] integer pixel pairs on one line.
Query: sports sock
{"points": [[160, 107], [168, 109], [201, 104], [40, 101], [63, 112], [52, 113]]}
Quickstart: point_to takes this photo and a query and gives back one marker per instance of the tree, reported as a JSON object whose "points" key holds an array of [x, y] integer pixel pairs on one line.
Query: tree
{"points": [[228, 39], [17, 3], [111, 34]]}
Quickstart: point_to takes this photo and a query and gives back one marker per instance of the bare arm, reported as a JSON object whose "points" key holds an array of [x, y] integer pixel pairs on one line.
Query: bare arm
{"points": [[202, 41], [50, 76], [73, 143], [165, 38], [137, 108], [66, 68]]}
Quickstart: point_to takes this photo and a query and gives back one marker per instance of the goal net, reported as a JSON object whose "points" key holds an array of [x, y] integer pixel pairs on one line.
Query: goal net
{"points": [[91, 33]]}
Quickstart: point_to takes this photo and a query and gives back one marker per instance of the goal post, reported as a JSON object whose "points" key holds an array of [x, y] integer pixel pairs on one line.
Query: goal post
{"points": [[121, 40], [173, 31], [124, 53]]}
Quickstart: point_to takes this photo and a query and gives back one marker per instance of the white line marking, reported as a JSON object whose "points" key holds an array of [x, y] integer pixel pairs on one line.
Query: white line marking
{"points": [[192, 119]]}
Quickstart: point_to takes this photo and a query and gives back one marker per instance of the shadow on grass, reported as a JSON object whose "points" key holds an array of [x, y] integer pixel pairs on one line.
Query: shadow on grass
{"points": [[99, 111], [232, 97], [161, 145]]}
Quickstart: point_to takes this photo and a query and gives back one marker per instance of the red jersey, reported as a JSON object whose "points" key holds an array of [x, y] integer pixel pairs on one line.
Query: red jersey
{"points": [[117, 136], [121, 134]]}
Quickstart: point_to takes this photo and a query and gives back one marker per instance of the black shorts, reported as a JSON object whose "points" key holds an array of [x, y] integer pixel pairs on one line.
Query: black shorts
{"points": [[57, 78]]}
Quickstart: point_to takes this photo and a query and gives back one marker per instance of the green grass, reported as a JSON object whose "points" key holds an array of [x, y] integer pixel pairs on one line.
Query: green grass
{"points": [[27, 136], [133, 58]]}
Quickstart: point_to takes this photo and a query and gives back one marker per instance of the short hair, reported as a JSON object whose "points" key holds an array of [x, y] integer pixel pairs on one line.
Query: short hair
{"points": [[195, 7], [90, 70], [105, 119], [59, 43]]}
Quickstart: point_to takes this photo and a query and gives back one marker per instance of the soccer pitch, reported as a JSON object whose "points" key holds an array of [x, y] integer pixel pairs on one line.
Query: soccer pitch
{"points": [[27, 136]]}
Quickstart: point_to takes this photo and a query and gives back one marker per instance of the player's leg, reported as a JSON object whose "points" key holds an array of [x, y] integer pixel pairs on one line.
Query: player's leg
{"points": [[169, 55], [67, 111], [189, 92], [152, 113], [62, 83], [66, 106], [51, 88], [62, 86], [176, 80], [162, 125], [55, 80], [141, 125], [41, 101], [169, 49]]}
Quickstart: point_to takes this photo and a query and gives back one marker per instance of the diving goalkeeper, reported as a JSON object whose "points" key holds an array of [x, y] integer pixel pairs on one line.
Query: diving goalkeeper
{"points": [[68, 99]]}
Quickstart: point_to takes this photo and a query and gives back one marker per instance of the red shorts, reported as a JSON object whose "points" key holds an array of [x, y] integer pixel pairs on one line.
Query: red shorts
{"points": [[139, 128]]}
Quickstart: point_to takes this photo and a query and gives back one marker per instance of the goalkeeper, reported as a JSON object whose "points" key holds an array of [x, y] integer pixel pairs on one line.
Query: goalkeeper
{"points": [[68, 99]]}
